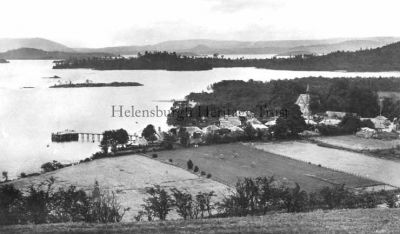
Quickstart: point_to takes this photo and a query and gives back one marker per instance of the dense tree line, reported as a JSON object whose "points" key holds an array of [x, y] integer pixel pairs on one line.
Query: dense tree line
{"points": [[147, 61], [353, 95]]}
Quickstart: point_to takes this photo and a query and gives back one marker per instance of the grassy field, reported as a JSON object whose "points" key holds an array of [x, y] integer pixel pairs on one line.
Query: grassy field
{"points": [[358, 164], [229, 162], [335, 221], [356, 143], [128, 176], [388, 149]]}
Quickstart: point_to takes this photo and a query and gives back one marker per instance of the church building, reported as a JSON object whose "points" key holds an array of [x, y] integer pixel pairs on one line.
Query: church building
{"points": [[303, 101]]}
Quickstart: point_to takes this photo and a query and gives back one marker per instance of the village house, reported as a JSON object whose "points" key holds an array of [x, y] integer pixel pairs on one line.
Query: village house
{"points": [[335, 114], [254, 123], [229, 121], [182, 104], [210, 129], [330, 122], [366, 132], [380, 122], [139, 141], [271, 122]]}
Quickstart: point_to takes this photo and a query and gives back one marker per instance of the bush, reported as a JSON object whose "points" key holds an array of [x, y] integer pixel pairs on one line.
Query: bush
{"points": [[98, 155], [184, 203], [104, 207], [203, 173], [209, 175], [190, 164], [203, 200], [350, 124], [196, 169], [44, 204], [327, 130], [158, 204], [154, 156], [170, 160], [295, 199], [23, 175], [10, 205], [51, 166], [167, 145]]}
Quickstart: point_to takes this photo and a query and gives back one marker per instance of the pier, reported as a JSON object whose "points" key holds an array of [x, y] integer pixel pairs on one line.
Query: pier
{"points": [[68, 136]]}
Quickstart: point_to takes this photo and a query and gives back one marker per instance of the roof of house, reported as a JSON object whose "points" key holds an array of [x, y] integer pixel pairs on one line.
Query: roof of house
{"points": [[236, 129], [193, 129], [330, 121], [210, 128], [271, 122]]}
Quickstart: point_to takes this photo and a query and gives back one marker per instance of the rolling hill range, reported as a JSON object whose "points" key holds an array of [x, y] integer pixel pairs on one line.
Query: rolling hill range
{"points": [[31, 53], [203, 46], [385, 58], [37, 43], [198, 47]]}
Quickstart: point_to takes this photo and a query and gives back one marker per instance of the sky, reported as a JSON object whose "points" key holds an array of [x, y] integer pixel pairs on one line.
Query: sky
{"points": [[101, 23]]}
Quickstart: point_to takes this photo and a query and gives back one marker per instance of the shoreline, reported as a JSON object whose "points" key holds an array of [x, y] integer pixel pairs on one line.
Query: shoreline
{"points": [[96, 85]]}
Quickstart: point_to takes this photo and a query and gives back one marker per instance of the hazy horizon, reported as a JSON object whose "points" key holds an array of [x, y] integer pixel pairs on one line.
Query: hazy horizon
{"points": [[104, 23], [200, 39]]}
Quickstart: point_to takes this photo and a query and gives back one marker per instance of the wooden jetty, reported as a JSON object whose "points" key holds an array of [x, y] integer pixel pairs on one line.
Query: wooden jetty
{"points": [[68, 136], [64, 136]]}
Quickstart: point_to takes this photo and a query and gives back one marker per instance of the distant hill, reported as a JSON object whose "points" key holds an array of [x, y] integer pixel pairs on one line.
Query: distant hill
{"points": [[31, 53], [351, 45], [205, 46], [385, 58], [37, 43]]}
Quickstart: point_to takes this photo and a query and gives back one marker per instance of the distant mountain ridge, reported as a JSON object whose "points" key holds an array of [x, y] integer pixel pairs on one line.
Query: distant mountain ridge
{"points": [[207, 46], [385, 58], [31, 53], [37, 43]]}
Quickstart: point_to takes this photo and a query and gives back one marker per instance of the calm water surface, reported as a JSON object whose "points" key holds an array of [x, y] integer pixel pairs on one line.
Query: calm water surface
{"points": [[29, 116]]}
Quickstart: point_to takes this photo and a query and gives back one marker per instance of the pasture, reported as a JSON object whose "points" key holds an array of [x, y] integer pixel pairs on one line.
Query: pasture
{"points": [[229, 162]]}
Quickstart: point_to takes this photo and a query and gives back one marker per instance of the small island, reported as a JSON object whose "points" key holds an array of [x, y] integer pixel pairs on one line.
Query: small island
{"points": [[52, 77], [3, 61], [148, 61], [90, 85]]}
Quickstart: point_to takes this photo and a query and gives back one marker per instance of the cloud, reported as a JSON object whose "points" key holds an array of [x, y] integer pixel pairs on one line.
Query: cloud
{"points": [[231, 6], [160, 31]]}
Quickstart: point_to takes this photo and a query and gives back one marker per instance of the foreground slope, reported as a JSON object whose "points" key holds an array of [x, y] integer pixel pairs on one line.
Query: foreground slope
{"points": [[335, 221], [128, 176]]}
